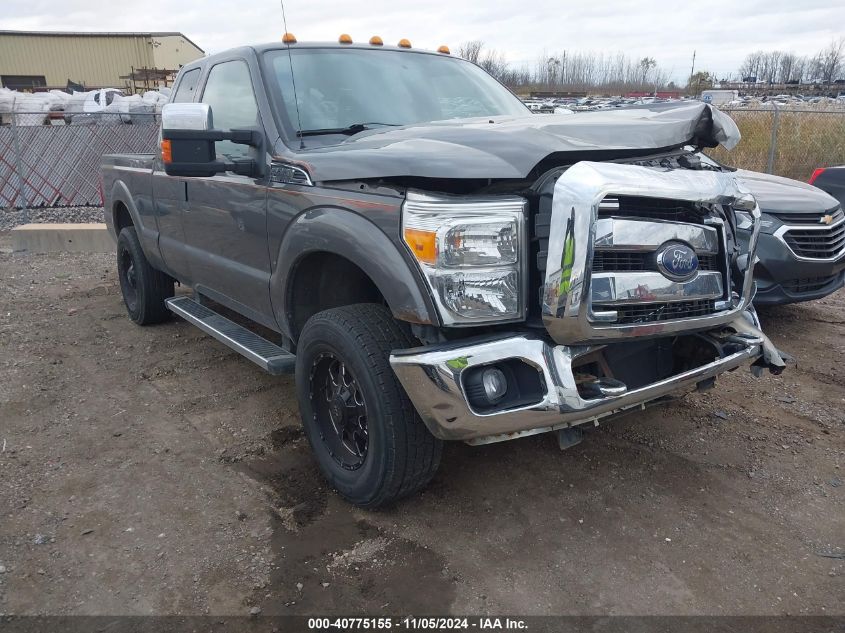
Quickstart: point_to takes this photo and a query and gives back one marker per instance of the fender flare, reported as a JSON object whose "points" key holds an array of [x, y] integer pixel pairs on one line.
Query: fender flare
{"points": [[355, 238], [146, 235], [120, 193]]}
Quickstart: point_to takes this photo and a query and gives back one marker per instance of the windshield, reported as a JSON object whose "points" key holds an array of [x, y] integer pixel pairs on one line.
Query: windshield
{"points": [[341, 88]]}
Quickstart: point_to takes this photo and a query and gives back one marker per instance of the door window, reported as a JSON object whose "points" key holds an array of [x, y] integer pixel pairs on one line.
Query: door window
{"points": [[229, 92]]}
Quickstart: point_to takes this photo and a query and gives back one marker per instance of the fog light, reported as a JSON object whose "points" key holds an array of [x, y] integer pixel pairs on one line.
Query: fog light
{"points": [[495, 384], [506, 384]]}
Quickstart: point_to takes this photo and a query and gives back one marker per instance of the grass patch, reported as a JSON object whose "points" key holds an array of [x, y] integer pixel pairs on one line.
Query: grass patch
{"points": [[805, 140]]}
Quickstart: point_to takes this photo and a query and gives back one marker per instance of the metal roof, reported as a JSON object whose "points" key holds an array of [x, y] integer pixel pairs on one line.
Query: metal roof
{"points": [[104, 34]]}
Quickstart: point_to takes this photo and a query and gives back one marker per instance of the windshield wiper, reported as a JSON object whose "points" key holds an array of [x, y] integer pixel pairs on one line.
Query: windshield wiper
{"points": [[349, 130]]}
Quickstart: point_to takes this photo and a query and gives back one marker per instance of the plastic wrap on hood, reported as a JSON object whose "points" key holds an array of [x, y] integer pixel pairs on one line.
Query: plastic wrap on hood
{"points": [[511, 147]]}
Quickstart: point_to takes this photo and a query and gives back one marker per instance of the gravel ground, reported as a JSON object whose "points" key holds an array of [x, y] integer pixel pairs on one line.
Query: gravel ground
{"points": [[10, 218], [154, 471]]}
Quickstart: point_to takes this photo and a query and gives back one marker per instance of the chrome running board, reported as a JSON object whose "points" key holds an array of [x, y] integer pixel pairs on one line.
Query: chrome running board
{"points": [[269, 356]]}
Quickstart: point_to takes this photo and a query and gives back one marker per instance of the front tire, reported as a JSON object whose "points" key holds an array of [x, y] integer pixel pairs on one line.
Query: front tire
{"points": [[368, 440], [143, 287]]}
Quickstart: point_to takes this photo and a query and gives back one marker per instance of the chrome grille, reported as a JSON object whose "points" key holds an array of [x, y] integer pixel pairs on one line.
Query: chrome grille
{"points": [[816, 243], [627, 285], [621, 261], [809, 218], [650, 209], [651, 312]]}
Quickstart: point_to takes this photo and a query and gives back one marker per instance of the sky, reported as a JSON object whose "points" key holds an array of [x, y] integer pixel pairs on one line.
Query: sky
{"points": [[721, 32]]}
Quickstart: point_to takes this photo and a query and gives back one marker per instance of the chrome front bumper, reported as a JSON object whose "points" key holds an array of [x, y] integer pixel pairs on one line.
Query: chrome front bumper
{"points": [[432, 377]]}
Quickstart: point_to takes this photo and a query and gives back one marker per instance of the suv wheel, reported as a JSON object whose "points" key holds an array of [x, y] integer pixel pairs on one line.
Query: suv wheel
{"points": [[143, 287], [368, 440]]}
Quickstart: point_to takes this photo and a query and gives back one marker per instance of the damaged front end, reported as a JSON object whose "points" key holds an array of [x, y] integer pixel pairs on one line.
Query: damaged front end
{"points": [[644, 295], [555, 386]]}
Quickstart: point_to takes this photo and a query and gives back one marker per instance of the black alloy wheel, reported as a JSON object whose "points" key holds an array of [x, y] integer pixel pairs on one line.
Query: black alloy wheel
{"points": [[340, 411]]}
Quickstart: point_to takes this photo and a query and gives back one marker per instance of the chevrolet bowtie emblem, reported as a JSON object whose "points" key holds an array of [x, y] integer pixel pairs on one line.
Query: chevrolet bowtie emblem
{"points": [[826, 219]]}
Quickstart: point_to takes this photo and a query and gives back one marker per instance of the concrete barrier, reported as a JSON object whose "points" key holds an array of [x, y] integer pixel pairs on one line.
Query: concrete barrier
{"points": [[52, 238]]}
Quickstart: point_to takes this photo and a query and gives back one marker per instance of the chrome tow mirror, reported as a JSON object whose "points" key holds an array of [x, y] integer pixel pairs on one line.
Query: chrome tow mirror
{"points": [[187, 142]]}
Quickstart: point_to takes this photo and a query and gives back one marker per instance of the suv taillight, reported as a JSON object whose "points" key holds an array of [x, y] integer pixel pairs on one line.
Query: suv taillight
{"points": [[816, 173]]}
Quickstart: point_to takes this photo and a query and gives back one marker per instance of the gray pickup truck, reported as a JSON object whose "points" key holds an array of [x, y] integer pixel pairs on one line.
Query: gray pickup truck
{"points": [[433, 261]]}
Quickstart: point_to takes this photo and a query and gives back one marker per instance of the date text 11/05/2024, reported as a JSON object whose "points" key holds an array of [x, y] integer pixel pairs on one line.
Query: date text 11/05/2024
{"points": [[413, 623]]}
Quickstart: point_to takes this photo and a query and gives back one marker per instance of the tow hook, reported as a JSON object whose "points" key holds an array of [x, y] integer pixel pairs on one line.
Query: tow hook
{"points": [[603, 388]]}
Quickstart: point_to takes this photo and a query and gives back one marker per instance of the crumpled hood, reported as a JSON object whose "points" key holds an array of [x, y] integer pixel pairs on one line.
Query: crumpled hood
{"points": [[510, 147], [775, 194]]}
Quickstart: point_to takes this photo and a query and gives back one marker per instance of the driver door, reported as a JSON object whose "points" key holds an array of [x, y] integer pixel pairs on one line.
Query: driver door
{"points": [[225, 221]]}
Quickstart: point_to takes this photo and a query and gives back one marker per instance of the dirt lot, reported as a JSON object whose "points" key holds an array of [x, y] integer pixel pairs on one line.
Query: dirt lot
{"points": [[154, 471]]}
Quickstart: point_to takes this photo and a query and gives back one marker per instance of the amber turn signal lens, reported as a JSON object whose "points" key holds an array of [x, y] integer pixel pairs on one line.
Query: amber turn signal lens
{"points": [[405, 43], [345, 39], [375, 40], [445, 50], [423, 245], [166, 151], [288, 38]]}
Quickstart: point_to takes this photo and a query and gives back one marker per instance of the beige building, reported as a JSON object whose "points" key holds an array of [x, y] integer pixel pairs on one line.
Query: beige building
{"points": [[53, 59]]}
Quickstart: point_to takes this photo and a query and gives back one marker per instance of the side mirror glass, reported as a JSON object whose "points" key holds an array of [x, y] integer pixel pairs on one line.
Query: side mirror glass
{"points": [[187, 142]]}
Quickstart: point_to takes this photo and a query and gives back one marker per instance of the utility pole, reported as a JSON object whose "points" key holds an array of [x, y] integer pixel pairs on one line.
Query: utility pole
{"points": [[692, 68], [563, 69]]}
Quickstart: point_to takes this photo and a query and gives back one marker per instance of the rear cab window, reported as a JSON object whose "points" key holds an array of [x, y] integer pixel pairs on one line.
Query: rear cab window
{"points": [[187, 86]]}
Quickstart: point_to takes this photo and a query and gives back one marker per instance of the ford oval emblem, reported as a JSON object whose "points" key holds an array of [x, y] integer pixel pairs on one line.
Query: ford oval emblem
{"points": [[677, 261]]}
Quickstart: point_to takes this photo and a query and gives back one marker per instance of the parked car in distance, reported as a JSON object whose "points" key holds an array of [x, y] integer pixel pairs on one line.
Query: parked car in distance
{"points": [[540, 107], [831, 180], [802, 239], [434, 261], [719, 97], [801, 246]]}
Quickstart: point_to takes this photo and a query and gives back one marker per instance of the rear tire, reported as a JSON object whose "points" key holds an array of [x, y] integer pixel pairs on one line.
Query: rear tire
{"points": [[143, 287], [368, 440]]}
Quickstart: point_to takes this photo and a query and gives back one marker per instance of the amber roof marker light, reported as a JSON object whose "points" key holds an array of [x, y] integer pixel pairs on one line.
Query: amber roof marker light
{"points": [[288, 38], [445, 50], [375, 40], [403, 43], [344, 39]]}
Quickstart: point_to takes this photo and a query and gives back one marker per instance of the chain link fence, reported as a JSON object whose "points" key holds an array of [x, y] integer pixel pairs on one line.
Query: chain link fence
{"points": [[59, 165], [786, 142]]}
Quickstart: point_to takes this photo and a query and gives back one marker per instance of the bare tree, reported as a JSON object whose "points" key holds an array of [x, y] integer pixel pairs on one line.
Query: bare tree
{"points": [[645, 66], [573, 70], [801, 69], [495, 64], [783, 67], [615, 72], [751, 66], [831, 60], [471, 51], [788, 64]]}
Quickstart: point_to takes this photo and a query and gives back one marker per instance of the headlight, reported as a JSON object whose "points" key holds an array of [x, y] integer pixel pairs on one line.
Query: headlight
{"points": [[744, 220], [471, 251]]}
